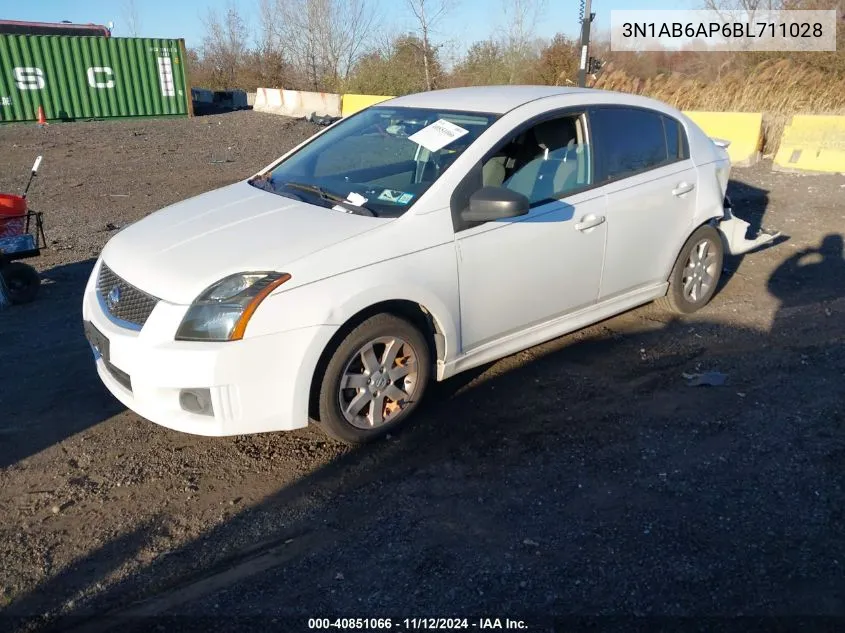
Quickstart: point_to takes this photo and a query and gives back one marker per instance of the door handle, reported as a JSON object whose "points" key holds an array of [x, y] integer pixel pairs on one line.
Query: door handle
{"points": [[682, 188], [589, 222]]}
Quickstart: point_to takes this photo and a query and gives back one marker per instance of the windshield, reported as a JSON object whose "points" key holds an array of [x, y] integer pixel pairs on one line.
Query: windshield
{"points": [[378, 162]]}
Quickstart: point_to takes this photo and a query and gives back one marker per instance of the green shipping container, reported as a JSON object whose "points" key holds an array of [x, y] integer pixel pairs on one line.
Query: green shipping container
{"points": [[91, 77]]}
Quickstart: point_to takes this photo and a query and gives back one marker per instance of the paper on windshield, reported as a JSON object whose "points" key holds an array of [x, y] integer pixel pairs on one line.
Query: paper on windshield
{"points": [[438, 135], [356, 198], [353, 198]]}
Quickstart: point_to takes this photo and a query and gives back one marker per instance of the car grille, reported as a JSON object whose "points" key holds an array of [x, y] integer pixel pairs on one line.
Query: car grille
{"points": [[123, 300]]}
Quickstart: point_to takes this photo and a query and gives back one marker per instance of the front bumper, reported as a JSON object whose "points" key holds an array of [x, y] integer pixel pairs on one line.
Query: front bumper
{"points": [[256, 384]]}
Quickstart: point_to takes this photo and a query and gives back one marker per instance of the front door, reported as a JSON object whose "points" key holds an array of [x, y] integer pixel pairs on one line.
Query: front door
{"points": [[524, 271]]}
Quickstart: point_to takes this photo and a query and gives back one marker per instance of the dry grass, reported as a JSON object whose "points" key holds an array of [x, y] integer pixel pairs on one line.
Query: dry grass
{"points": [[778, 89]]}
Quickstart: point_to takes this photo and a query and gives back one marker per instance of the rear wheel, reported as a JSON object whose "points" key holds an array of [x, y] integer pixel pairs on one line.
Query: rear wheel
{"points": [[375, 379], [22, 282], [696, 273]]}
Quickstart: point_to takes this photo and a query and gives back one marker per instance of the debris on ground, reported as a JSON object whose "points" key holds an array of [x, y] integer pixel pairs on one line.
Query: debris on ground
{"points": [[321, 120], [705, 379]]}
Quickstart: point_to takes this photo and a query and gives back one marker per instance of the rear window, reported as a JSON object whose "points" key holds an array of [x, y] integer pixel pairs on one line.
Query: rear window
{"points": [[628, 141]]}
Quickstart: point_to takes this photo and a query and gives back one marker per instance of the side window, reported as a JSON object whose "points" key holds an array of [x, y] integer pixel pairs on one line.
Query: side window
{"points": [[542, 163], [629, 141], [676, 139]]}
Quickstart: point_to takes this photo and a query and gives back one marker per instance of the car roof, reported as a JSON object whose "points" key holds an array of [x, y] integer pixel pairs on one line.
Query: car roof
{"points": [[493, 99]]}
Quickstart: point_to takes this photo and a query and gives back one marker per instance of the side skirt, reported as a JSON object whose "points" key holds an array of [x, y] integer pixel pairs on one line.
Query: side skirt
{"points": [[549, 330]]}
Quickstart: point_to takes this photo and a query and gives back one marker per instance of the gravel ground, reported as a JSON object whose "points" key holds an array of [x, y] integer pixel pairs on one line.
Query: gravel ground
{"points": [[582, 477]]}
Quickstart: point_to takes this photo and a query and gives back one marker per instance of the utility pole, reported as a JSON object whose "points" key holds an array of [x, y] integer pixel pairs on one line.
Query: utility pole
{"points": [[586, 19]]}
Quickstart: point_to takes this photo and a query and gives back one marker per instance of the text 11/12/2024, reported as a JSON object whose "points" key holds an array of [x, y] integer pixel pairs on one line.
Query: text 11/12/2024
{"points": [[418, 624]]}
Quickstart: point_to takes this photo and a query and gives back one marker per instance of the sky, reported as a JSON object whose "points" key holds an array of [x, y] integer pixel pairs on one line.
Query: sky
{"points": [[471, 20]]}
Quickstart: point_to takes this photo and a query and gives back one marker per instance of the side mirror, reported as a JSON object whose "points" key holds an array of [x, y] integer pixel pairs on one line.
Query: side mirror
{"points": [[495, 203]]}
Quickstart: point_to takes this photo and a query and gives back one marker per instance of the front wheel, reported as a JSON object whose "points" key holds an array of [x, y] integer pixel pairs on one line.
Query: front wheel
{"points": [[375, 379], [696, 273]]}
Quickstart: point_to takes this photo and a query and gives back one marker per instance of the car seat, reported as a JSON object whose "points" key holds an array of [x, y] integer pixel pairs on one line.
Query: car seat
{"points": [[554, 166]]}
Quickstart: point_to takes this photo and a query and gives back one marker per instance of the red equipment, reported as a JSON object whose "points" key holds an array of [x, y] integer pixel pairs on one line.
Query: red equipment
{"points": [[12, 214], [21, 236]]}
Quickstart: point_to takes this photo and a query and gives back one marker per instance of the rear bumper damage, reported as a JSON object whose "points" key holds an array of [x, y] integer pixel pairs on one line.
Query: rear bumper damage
{"points": [[735, 233]]}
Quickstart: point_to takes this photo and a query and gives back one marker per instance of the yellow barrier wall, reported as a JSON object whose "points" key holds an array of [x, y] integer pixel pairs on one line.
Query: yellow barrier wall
{"points": [[354, 103], [743, 129], [812, 143]]}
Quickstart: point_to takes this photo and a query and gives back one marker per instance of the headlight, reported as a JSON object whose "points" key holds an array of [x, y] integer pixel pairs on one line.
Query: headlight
{"points": [[223, 310]]}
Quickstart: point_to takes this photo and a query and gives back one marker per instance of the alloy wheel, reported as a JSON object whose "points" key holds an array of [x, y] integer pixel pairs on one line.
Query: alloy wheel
{"points": [[378, 382]]}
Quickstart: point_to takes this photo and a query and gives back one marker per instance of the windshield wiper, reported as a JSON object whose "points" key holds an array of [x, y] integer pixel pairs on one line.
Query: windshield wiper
{"points": [[331, 197]]}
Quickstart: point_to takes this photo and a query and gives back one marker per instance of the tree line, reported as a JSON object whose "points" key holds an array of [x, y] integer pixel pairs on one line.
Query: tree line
{"points": [[349, 46], [344, 46]]}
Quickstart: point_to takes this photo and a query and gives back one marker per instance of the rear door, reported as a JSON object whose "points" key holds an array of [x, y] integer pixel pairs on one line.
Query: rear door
{"points": [[642, 159]]}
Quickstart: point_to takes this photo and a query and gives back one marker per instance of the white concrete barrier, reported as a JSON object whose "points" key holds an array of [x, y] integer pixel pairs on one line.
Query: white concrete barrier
{"points": [[296, 103], [260, 98], [274, 98]]}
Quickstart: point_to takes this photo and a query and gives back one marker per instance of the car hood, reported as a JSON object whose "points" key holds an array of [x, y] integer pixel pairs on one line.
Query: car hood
{"points": [[177, 252]]}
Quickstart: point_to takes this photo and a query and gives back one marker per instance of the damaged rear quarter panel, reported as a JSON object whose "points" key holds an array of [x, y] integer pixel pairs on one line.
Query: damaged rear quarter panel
{"points": [[710, 160]]}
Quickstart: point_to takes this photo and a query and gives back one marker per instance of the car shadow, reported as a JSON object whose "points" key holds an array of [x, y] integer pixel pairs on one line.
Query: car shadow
{"points": [[582, 476], [50, 388], [750, 203]]}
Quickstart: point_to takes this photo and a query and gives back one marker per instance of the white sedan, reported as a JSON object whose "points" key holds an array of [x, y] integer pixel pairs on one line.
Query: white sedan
{"points": [[407, 243]]}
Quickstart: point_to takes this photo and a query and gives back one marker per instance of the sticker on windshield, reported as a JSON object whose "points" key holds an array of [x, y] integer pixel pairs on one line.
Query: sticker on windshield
{"points": [[438, 135], [396, 197]]}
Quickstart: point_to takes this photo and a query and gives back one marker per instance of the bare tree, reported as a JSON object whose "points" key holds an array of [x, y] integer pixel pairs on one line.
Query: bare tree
{"points": [[728, 9], [521, 20], [749, 6], [269, 60], [323, 38], [267, 39], [225, 44], [130, 16], [428, 14]]}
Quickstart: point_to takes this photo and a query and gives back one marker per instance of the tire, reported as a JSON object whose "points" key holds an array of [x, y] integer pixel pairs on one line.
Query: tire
{"points": [[371, 405], [686, 295], [22, 282]]}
